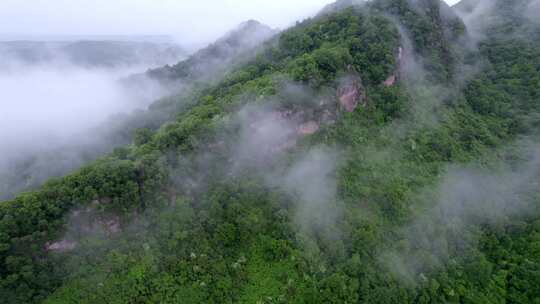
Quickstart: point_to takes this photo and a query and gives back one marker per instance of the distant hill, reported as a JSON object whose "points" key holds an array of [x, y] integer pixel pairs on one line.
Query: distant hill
{"points": [[92, 53]]}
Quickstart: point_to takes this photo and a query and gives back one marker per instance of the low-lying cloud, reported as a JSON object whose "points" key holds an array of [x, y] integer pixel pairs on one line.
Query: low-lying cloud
{"points": [[270, 133], [52, 116], [466, 198], [312, 181], [533, 11]]}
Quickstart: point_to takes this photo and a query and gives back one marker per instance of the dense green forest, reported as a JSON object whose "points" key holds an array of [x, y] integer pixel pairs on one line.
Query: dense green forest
{"points": [[376, 153]]}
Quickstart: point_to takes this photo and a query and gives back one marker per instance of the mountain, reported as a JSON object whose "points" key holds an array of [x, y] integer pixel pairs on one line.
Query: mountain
{"points": [[377, 153]]}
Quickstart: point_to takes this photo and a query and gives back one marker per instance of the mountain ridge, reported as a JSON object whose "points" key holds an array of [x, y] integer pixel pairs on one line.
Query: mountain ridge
{"points": [[305, 176]]}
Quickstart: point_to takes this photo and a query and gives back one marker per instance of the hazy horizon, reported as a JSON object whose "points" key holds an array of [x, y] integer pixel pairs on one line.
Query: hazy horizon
{"points": [[74, 37], [179, 21]]}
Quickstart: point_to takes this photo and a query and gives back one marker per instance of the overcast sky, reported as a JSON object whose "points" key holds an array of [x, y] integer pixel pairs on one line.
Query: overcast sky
{"points": [[192, 21]]}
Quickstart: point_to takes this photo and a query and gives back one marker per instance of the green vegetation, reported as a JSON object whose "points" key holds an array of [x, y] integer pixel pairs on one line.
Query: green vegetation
{"points": [[193, 232]]}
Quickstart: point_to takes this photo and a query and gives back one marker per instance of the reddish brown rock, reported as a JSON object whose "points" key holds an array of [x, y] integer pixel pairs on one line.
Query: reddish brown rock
{"points": [[61, 246], [351, 93], [308, 128], [390, 81]]}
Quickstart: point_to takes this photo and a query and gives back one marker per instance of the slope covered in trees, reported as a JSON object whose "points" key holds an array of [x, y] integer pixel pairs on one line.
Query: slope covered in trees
{"points": [[363, 156], [214, 60]]}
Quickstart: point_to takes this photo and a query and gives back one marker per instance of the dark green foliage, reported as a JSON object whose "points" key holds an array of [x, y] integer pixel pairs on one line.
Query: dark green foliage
{"points": [[426, 24], [142, 136]]}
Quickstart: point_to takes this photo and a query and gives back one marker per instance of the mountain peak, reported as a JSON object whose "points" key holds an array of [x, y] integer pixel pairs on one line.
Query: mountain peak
{"points": [[250, 29], [251, 23]]}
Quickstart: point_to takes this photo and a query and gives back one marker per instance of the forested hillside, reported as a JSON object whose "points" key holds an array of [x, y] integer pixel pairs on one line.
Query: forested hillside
{"points": [[380, 152]]}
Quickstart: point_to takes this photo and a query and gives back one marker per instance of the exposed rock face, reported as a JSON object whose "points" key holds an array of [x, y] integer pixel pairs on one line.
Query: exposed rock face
{"points": [[308, 128], [61, 246], [86, 222], [390, 81], [351, 93], [268, 133], [289, 144]]}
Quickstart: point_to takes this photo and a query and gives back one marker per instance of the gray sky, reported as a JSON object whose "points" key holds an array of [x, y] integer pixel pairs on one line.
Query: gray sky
{"points": [[192, 21]]}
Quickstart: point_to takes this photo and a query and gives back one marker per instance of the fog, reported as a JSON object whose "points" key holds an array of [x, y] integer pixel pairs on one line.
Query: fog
{"points": [[312, 179], [477, 17], [264, 141], [467, 196], [54, 114], [267, 135], [533, 11], [62, 100], [38, 102]]}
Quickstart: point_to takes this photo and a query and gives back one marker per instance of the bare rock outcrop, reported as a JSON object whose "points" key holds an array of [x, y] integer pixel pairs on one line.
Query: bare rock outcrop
{"points": [[87, 221], [61, 246], [308, 128], [392, 79], [270, 132], [351, 93]]}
